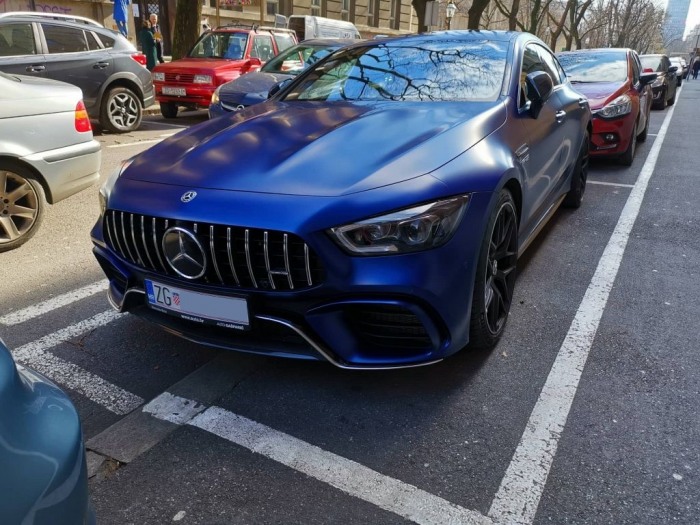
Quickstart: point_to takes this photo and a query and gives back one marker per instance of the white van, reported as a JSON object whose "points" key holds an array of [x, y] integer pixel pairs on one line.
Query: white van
{"points": [[307, 26]]}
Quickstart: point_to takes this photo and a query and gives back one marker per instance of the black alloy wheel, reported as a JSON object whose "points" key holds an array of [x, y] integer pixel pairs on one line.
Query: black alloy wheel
{"points": [[121, 110], [628, 156], [579, 176], [495, 275]]}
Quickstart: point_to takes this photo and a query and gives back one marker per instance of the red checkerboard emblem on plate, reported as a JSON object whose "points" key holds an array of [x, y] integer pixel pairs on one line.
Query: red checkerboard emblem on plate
{"points": [[176, 299]]}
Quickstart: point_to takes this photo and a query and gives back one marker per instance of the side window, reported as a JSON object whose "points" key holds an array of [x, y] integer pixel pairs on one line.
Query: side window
{"points": [[61, 39], [17, 39], [93, 43], [283, 41], [262, 48], [107, 41], [550, 65]]}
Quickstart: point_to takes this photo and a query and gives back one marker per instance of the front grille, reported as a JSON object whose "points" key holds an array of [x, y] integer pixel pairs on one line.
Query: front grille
{"points": [[179, 78], [388, 326], [236, 256]]}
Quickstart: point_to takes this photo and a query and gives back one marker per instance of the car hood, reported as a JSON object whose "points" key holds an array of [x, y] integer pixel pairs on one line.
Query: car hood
{"points": [[320, 149], [256, 84], [600, 93], [197, 65], [42, 96]]}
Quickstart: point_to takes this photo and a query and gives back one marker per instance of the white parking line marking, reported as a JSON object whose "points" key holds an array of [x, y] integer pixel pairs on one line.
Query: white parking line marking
{"points": [[140, 142], [35, 355], [522, 486], [36, 310], [615, 184], [172, 408], [352, 478]]}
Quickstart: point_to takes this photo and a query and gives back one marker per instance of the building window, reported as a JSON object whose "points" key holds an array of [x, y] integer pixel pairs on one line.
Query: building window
{"points": [[345, 10], [272, 7], [393, 18], [316, 7]]}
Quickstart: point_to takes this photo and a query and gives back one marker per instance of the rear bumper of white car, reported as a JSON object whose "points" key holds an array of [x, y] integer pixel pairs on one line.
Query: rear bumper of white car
{"points": [[67, 170]]}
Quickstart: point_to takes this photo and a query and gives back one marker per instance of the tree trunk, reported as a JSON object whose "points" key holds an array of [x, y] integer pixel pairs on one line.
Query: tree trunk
{"points": [[475, 12], [188, 23]]}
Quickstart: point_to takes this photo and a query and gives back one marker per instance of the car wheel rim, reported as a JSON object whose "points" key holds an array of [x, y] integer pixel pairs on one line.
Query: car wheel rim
{"points": [[19, 206], [123, 111], [500, 268]]}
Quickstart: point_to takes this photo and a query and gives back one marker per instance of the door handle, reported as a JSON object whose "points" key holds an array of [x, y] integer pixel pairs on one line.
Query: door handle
{"points": [[100, 65], [560, 115], [35, 69]]}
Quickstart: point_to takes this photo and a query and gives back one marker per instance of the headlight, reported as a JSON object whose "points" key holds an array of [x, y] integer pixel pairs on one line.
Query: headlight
{"points": [[618, 107], [411, 230], [215, 96], [160, 77], [106, 188], [202, 79]]}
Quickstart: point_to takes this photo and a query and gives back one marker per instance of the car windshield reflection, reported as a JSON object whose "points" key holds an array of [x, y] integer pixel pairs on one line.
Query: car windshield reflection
{"points": [[594, 67], [434, 71]]}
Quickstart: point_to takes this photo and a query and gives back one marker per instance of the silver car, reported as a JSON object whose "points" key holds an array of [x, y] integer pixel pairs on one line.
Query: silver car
{"points": [[47, 152]]}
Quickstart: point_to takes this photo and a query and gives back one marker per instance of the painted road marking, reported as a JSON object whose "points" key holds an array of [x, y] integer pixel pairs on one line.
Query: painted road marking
{"points": [[522, 486], [349, 476], [99, 390], [36, 310], [615, 184], [138, 143]]}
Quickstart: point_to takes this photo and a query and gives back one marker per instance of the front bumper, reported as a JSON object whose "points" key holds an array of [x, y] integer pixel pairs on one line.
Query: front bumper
{"points": [[194, 94], [365, 312], [67, 170], [611, 137]]}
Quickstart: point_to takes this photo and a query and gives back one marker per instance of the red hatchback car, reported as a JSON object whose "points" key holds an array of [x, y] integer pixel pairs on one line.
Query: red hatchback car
{"points": [[219, 56], [619, 95]]}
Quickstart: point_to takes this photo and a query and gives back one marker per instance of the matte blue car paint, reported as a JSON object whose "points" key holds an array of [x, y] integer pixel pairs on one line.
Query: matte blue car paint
{"points": [[43, 477], [304, 167]]}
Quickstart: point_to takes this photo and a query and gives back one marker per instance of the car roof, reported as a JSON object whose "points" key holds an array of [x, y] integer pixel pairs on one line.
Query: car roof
{"points": [[57, 17]]}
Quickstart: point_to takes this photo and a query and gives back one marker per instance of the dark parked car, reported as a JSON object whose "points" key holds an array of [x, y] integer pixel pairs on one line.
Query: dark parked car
{"points": [[371, 214], [110, 71], [619, 96], [43, 479], [664, 87], [681, 69], [253, 88], [219, 56]]}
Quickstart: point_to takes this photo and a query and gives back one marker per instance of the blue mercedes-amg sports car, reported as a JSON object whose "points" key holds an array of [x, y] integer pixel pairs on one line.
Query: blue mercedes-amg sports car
{"points": [[370, 213]]}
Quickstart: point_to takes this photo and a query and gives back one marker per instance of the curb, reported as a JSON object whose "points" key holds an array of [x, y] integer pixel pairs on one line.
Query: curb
{"points": [[152, 110]]}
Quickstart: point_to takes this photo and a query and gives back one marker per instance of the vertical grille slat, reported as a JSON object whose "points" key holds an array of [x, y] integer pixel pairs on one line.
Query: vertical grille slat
{"points": [[237, 257], [247, 258]]}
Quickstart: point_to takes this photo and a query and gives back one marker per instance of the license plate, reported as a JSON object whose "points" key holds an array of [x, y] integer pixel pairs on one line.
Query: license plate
{"points": [[177, 91], [227, 312]]}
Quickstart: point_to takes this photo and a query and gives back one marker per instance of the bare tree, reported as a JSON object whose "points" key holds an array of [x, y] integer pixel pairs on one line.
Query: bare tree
{"points": [[475, 11], [188, 23]]}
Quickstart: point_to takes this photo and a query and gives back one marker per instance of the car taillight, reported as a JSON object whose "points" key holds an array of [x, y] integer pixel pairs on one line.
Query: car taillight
{"points": [[82, 121], [140, 58]]}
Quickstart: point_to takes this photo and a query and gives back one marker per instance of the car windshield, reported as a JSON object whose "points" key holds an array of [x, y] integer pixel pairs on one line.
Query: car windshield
{"points": [[296, 59], [223, 44], [651, 62], [429, 71], [594, 67]]}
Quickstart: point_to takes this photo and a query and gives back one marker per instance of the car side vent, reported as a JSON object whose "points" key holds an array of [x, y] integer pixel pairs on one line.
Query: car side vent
{"points": [[388, 327], [235, 256]]}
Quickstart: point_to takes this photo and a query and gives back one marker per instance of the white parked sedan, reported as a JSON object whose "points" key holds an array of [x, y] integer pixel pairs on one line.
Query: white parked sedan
{"points": [[47, 152]]}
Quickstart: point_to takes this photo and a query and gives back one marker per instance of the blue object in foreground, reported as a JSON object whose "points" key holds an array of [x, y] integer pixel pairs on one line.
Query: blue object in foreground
{"points": [[43, 479], [371, 214]]}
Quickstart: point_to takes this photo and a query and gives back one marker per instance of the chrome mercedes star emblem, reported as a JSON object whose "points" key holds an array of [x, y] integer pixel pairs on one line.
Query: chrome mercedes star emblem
{"points": [[184, 253], [188, 196]]}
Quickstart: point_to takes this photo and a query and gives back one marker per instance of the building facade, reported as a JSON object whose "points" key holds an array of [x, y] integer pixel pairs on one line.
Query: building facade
{"points": [[675, 20]]}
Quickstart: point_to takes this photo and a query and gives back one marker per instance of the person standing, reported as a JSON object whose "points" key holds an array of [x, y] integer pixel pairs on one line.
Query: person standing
{"points": [[121, 13], [157, 36], [696, 68], [148, 45]]}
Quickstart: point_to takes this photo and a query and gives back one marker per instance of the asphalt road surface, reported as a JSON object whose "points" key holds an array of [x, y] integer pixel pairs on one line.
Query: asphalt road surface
{"points": [[586, 412]]}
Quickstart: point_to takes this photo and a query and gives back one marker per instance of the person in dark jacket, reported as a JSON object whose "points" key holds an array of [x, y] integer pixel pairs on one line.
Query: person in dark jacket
{"points": [[696, 68], [157, 35], [148, 45]]}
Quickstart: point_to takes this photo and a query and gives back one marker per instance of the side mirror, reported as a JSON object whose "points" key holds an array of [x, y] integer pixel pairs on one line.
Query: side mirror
{"points": [[278, 87], [539, 86], [647, 78], [254, 62], [673, 69]]}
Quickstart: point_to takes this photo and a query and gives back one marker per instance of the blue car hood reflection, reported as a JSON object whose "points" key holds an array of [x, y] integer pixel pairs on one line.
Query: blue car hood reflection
{"points": [[250, 88], [319, 149]]}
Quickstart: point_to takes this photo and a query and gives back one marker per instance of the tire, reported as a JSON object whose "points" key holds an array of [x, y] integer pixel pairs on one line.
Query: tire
{"points": [[628, 156], [121, 110], [168, 109], [643, 135], [495, 275], [662, 100], [672, 101], [579, 177], [22, 205]]}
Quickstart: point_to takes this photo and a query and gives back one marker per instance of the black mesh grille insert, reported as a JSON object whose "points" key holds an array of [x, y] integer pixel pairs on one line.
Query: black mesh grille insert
{"points": [[388, 326], [236, 256]]}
